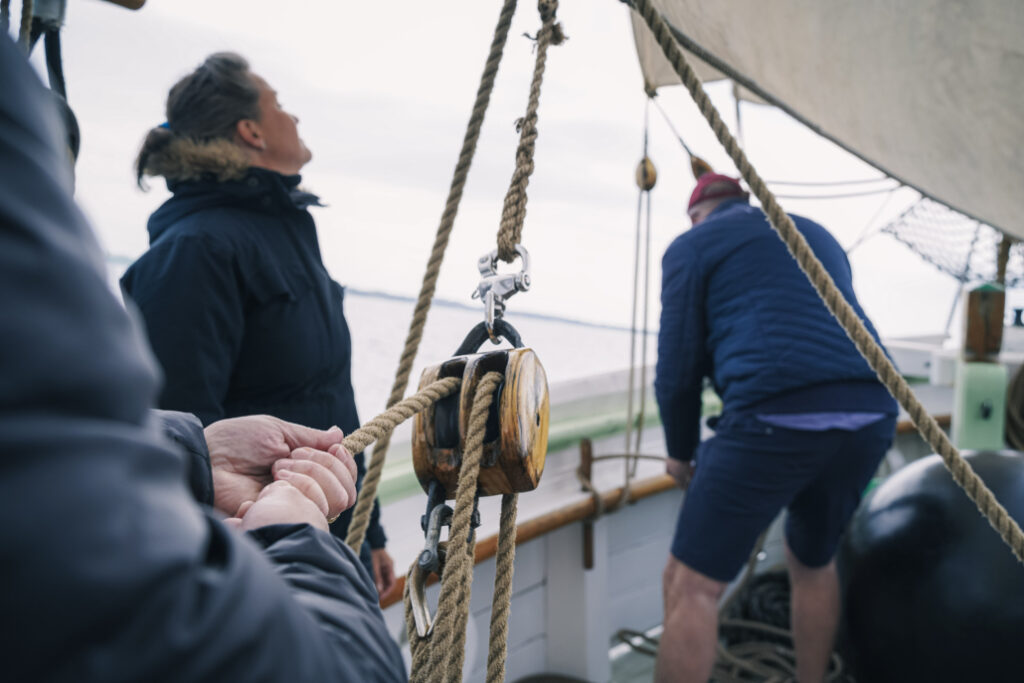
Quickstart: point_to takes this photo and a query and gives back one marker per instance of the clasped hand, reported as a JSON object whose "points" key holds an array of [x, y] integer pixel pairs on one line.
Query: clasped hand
{"points": [[268, 471]]}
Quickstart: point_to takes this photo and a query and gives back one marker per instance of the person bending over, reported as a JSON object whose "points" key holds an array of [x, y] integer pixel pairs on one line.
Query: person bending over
{"points": [[804, 423]]}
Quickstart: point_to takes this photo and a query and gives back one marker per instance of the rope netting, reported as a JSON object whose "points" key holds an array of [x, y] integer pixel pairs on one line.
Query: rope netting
{"points": [[955, 244]]}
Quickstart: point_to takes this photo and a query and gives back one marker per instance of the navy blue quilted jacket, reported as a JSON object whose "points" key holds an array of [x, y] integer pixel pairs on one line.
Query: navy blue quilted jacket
{"points": [[241, 313], [736, 308]]}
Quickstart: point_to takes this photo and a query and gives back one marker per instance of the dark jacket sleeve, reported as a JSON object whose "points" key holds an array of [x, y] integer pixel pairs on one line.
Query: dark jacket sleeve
{"points": [[375, 535], [112, 572], [188, 291], [682, 364], [186, 431]]}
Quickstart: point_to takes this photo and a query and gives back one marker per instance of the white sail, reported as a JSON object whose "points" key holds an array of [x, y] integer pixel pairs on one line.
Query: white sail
{"points": [[931, 91]]}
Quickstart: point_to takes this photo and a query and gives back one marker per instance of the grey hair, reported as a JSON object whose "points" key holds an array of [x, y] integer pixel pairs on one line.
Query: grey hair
{"points": [[204, 106]]}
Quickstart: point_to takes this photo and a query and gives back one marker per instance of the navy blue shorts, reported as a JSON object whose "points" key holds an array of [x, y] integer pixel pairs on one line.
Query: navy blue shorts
{"points": [[750, 470]]}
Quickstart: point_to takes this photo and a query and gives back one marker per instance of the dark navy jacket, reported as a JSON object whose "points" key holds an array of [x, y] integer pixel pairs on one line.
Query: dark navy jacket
{"points": [[241, 313], [110, 570], [737, 308]]}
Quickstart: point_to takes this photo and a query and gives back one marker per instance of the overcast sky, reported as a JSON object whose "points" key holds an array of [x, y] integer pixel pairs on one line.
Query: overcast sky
{"points": [[383, 91]]}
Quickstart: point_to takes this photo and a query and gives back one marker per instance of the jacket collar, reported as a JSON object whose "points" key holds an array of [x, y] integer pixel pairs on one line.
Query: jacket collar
{"points": [[728, 204], [220, 166], [258, 189]]}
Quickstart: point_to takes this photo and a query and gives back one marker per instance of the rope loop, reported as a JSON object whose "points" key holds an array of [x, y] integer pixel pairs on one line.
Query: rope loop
{"points": [[385, 423]]}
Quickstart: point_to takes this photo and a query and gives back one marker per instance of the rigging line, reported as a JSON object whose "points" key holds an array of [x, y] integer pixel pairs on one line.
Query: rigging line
{"points": [[865, 233], [638, 456], [787, 183], [632, 325], [739, 120], [636, 290], [692, 46], [964, 475], [841, 195], [668, 121], [647, 122], [828, 183], [643, 336]]}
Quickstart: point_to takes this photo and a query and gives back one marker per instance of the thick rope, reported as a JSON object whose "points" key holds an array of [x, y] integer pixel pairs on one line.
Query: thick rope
{"points": [[25, 31], [513, 213], [502, 601], [364, 504], [381, 426], [444, 648], [926, 425], [453, 606]]}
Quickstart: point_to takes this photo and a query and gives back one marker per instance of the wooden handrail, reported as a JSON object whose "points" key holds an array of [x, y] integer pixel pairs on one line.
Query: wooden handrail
{"points": [[486, 548]]}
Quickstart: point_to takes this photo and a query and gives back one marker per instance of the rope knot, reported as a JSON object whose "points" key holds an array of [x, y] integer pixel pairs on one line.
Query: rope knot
{"points": [[547, 9], [557, 35]]}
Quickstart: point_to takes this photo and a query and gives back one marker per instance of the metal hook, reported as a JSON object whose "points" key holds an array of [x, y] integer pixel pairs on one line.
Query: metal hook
{"points": [[431, 559], [418, 602], [495, 288]]}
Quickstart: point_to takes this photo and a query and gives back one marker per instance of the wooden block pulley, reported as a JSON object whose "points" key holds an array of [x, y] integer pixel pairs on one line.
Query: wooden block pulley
{"points": [[516, 437]]}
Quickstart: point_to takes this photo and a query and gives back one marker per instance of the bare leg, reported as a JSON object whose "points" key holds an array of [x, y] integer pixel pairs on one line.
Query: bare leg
{"points": [[687, 650], [815, 616]]}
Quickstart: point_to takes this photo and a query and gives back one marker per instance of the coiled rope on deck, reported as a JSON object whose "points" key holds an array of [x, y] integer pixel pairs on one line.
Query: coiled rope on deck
{"points": [[364, 503], [926, 425], [439, 656]]}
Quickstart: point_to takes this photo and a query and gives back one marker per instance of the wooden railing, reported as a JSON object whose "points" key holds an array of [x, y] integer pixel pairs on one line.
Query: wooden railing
{"points": [[582, 509], [545, 524]]}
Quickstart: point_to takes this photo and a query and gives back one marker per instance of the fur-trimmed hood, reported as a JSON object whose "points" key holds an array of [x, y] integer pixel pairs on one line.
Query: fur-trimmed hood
{"points": [[209, 181], [184, 159]]}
